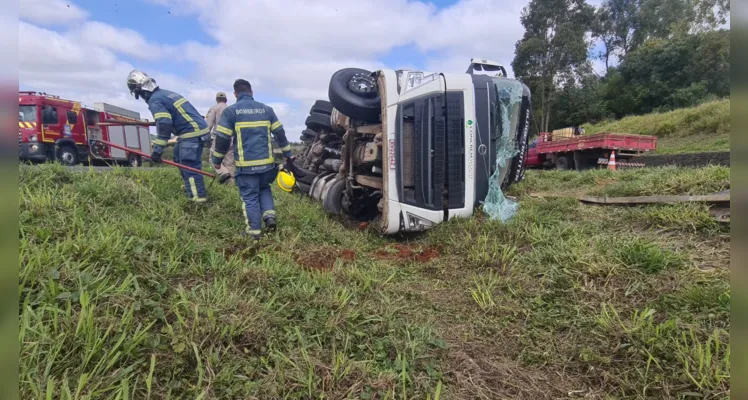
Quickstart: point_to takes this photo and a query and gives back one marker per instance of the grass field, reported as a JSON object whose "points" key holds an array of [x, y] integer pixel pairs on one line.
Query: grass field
{"points": [[130, 292], [688, 130]]}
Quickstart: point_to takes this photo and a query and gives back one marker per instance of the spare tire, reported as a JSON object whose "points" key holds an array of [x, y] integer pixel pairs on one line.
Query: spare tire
{"points": [[317, 122], [322, 107], [353, 92]]}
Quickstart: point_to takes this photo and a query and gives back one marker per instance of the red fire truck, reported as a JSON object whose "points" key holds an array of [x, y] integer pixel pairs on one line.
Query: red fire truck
{"points": [[51, 128]]}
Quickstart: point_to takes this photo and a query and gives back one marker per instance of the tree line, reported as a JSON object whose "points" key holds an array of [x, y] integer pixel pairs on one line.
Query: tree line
{"points": [[656, 55]]}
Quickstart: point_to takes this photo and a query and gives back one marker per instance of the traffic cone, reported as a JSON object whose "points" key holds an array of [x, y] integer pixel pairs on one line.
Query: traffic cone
{"points": [[612, 161]]}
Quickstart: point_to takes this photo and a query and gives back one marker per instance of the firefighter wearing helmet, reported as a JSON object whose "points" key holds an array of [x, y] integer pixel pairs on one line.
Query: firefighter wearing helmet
{"points": [[174, 115], [253, 124]]}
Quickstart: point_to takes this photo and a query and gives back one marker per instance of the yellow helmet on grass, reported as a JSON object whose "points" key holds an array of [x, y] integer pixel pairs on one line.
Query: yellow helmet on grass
{"points": [[285, 180]]}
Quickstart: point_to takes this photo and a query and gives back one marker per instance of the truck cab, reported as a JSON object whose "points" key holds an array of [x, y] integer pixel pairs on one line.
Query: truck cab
{"points": [[416, 148]]}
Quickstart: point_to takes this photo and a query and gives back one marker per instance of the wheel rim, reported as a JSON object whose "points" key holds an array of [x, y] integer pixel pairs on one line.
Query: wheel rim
{"points": [[134, 161], [67, 157], [363, 85]]}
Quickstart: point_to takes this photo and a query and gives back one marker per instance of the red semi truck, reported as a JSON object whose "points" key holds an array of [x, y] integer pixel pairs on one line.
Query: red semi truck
{"points": [[51, 128], [586, 151]]}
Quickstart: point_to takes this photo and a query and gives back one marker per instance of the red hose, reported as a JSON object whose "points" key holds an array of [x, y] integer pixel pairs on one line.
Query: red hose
{"points": [[172, 163]]}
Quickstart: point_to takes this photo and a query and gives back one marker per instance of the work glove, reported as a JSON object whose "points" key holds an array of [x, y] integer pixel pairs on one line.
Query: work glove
{"points": [[156, 157]]}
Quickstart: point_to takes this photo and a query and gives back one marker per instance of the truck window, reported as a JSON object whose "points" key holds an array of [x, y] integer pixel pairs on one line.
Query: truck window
{"points": [[27, 113], [49, 115], [72, 118]]}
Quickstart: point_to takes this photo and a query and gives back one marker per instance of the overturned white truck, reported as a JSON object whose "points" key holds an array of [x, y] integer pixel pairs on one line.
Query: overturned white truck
{"points": [[410, 149]]}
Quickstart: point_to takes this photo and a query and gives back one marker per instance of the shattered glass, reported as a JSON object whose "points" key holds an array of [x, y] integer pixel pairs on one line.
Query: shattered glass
{"points": [[507, 105]]}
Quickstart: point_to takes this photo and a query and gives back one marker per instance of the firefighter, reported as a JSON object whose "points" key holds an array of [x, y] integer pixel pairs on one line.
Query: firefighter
{"points": [[251, 124], [174, 115], [227, 170]]}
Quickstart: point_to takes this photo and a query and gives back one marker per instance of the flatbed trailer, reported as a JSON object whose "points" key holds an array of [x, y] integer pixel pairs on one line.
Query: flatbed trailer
{"points": [[586, 151]]}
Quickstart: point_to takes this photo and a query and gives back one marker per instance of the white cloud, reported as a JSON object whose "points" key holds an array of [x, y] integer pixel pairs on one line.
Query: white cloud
{"points": [[287, 49], [51, 12], [124, 41]]}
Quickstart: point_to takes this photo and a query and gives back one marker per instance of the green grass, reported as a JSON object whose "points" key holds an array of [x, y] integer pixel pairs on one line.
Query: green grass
{"points": [[698, 129], [129, 291]]}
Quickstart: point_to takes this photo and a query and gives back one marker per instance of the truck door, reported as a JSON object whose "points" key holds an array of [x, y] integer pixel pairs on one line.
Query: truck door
{"points": [[51, 126]]}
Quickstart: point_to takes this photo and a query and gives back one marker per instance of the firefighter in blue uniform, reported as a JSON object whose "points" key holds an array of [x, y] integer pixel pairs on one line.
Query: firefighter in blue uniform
{"points": [[254, 125], [174, 115]]}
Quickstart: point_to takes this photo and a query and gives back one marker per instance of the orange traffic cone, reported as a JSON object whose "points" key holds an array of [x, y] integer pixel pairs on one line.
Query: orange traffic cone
{"points": [[612, 161]]}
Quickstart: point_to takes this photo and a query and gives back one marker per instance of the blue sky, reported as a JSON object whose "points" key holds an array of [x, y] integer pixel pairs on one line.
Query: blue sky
{"points": [[198, 47]]}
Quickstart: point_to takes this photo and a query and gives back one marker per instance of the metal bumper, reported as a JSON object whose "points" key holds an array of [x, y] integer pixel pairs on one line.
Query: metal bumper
{"points": [[32, 152]]}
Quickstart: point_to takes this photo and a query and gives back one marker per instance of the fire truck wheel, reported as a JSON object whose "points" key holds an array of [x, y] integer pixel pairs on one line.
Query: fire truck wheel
{"points": [[67, 155], [134, 160]]}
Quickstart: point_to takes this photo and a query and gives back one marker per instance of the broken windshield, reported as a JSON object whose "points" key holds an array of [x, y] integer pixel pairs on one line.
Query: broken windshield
{"points": [[506, 104]]}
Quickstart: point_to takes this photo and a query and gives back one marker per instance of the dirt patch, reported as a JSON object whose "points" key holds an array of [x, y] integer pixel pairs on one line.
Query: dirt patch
{"points": [[402, 252], [324, 259]]}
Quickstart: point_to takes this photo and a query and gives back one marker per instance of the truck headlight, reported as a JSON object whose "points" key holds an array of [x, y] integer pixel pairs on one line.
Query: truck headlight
{"points": [[32, 138], [418, 223], [34, 147]]}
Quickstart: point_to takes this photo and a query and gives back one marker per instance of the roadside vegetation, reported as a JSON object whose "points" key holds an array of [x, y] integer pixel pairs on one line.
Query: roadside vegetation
{"points": [[128, 291], [688, 130]]}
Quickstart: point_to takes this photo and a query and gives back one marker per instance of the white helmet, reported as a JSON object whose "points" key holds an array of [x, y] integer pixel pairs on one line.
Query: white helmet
{"points": [[138, 82]]}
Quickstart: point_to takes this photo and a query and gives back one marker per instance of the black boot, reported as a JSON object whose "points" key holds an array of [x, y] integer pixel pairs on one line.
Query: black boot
{"points": [[270, 223]]}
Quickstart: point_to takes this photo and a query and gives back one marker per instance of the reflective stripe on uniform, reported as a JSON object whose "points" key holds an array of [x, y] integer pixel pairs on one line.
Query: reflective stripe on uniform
{"points": [[160, 142], [162, 115], [255, 124], [178, 106], [224, 130], [246, 218], [251, 232], [193, 187], [255, 163], [275, 126], [286, 148], [188, 135], [199, 199], [219, 155], [268, 213]]}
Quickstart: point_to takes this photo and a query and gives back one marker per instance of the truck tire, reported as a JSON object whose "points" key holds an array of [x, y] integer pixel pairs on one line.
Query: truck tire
{"points": [[303, 187], [317, 122], [563, 163], [309, 135], [322, 107], [133, 160], [67, 155], [333, 202], [353, 92]]}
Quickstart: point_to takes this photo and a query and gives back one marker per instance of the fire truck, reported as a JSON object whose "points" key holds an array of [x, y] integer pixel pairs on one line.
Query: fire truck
{"points": [[55, 129]]}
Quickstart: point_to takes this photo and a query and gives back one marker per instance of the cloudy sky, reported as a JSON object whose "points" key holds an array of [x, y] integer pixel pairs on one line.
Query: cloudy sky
{"points": [[84, 49]]}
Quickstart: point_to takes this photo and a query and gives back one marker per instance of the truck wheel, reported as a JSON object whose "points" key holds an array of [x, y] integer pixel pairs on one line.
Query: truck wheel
{"points": [[317, 122], [322, 107], [134, 160], [334, 200], [67, 155], [303, 187], [353, 92], [563, 163], [308, 134]]}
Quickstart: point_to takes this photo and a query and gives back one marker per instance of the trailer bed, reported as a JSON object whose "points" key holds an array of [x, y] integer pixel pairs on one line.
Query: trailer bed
{"points": [[634, 144]]}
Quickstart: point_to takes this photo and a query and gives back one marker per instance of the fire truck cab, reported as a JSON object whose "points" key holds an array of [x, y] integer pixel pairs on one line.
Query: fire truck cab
{"points": [[51, 128]]}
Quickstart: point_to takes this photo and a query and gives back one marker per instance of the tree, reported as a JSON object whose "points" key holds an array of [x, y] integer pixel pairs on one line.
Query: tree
{"points": [[666, 74], [554, 44]]}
